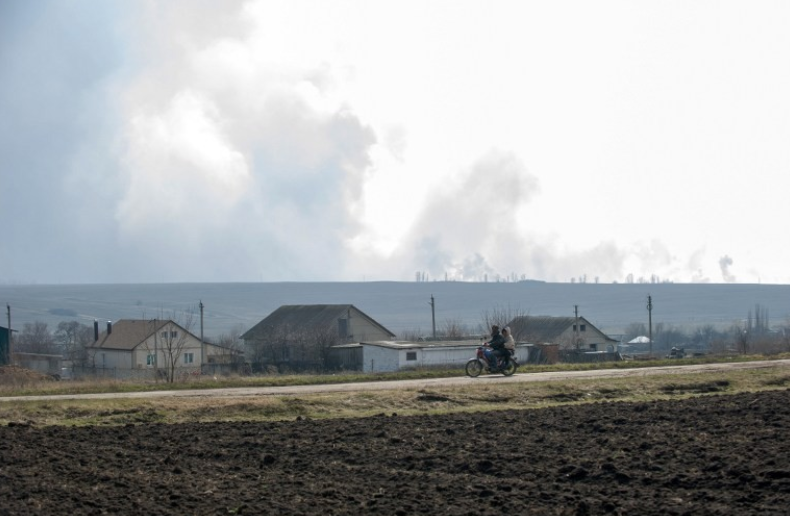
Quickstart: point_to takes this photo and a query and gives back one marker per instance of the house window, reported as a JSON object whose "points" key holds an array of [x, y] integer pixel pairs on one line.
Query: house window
{"points": [[172, 335], [582, 327], [342, 328], [150, 359], [411, 355], [189, 358]]}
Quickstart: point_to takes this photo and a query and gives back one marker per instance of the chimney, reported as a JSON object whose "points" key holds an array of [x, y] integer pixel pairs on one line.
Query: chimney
{"points": [[95, 330], [109, 327]]}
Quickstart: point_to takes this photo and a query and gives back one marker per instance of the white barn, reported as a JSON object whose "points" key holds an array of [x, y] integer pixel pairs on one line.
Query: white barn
{"points": [[389, 356]]}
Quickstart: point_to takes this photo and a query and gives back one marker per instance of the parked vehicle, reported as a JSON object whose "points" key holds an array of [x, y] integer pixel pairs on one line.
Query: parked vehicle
{"points": [[475, 366], [676, 353]]}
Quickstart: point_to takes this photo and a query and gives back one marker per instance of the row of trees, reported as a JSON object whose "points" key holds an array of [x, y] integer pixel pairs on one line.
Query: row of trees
{"points": [[754, 334], [68, 340]]}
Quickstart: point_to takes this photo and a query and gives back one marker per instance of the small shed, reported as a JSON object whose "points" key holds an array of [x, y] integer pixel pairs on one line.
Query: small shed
{"points": [[41, 362]]}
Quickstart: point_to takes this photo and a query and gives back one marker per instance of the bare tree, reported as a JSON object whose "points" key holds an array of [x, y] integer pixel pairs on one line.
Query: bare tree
{"points": [[502, 316], [286, 346], [412, 335], [703, 337], [323, 340], [269, 345], [269, 348], [173, 343], [231, 345], [171, 337], [36, 338], [453, 330], [73, 338], [785, 336], [743, 336], [666, 336]]}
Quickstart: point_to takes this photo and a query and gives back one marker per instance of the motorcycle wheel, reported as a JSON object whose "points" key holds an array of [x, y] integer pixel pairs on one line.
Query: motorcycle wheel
{"points": [[509, 368], [474, 368]]}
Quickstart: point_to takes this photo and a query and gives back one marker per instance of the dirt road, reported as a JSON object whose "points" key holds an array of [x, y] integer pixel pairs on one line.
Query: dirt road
{"points": [[417, 384]]}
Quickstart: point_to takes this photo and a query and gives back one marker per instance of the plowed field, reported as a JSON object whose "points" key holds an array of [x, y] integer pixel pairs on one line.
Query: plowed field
{"points": [[706, 455]]}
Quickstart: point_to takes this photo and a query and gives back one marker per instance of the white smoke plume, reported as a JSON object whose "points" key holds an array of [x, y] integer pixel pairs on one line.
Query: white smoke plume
{"points": [[195, 140], [235, 159], [724, 263]]}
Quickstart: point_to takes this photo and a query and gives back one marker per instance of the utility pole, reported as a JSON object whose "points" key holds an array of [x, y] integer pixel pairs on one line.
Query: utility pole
{"points": [[202, 342], [576, 327], [10, 333], [433, 316], [650, 322]]}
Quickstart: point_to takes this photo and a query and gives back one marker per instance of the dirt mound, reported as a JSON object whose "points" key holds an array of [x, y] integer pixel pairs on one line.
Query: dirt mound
{"points": [[11, 375], [722, 455]]}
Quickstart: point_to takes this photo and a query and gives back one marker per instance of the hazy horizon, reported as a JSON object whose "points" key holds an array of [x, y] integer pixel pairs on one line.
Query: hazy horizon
{"points": [[401, 306]]}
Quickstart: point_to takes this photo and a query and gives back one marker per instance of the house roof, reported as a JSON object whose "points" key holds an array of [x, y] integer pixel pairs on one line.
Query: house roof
{"points": [[127, 334], [309, 316], [544, 328]]}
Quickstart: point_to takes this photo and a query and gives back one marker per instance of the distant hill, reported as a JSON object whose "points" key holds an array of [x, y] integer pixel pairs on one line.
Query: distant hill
{"points": [[401, 306]]}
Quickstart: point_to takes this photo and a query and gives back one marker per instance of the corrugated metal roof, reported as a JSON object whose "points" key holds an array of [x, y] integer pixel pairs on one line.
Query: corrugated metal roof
{"points": [[424, 345]]}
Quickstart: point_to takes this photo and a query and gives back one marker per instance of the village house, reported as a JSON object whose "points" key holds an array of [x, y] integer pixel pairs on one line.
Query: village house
{"points": [[566, 339], [303, 337], [142, 348], [567, 332]]}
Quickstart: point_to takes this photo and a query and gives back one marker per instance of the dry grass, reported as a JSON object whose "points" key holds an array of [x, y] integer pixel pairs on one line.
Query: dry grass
{"points": [[406, 401]]}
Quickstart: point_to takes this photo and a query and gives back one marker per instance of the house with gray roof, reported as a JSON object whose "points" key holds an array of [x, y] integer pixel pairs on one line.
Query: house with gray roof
{"points": [[566, 332], [301, 336]]}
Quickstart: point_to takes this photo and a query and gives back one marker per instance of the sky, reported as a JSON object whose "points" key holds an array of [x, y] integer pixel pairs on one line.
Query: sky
{"points": [[201, 141]]}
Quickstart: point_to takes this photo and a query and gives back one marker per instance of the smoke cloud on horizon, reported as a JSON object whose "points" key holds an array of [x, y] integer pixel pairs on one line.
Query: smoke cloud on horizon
{"points": [[195, 141]]}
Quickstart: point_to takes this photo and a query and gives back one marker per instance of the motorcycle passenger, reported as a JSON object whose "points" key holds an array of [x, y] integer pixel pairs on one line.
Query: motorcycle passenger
{"points": [[510, 342], [496, 348]]}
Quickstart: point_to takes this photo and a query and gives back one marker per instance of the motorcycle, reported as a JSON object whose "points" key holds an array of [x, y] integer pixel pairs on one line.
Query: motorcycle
{"points": [[505, 365]]}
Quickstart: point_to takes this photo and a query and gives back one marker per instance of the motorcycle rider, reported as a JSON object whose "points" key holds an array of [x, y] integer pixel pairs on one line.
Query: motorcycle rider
{"points": [[496, 348]]}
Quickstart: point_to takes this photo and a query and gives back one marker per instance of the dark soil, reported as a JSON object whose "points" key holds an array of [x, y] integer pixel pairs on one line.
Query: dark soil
{"points": [[706, 455]]}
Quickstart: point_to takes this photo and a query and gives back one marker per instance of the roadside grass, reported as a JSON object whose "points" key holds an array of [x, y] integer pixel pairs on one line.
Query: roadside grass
{"points": [[482, 396], [44, 388], [49, 388]]}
